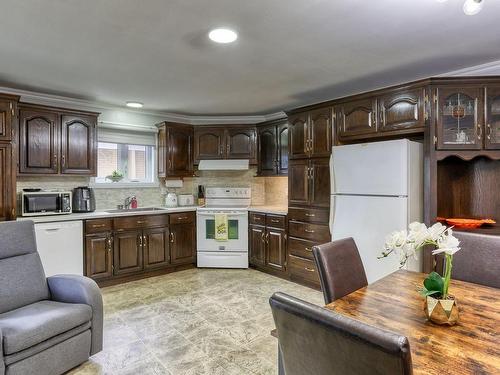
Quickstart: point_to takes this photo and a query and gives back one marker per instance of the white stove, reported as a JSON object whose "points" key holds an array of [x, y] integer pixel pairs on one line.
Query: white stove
{"points": [[233, 253]]}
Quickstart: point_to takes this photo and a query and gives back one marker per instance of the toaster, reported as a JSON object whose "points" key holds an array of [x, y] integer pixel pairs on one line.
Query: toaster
{"points": [[185, 199]]}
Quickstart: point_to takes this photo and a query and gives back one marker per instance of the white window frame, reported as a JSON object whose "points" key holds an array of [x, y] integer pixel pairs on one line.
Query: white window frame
{"points": [[119, 136]]}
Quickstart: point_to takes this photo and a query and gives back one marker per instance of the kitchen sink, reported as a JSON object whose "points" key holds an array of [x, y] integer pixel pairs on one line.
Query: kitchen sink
{"points": [[142, 209]]}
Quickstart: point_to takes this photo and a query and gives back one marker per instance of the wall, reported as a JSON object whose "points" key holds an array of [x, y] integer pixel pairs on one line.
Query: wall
{"points": [[265, 190]]}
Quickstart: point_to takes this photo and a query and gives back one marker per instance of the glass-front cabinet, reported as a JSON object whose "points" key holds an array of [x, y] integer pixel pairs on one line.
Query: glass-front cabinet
{"points": [[492, 131], [459, 118]]}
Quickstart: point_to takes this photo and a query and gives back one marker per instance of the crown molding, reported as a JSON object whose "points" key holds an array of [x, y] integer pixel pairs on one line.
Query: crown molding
{"points": [[491, 68], [72, 103]]}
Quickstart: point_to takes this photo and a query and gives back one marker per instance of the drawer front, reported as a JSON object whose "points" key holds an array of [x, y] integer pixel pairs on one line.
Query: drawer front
{"points": [[301, 248], [308, 215], [98, 225], [257, 218], [182, 218], [134, 222], [276, 221], [313, 232], [303, 269]]}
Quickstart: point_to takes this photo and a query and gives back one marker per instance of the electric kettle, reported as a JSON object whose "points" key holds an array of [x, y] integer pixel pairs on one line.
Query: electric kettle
{"points": [[171, 200]]}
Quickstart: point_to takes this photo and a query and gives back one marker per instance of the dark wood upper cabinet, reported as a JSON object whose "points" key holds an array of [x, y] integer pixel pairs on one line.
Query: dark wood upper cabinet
{"points": [[283, 138], [268, 150], [8, 108], [99, 255], [175, 150], [56, 141], [460, 118], [209, 143], [298, 182], [402, 110], [298, 136], [128, 252], [183, 244], [39, 142], [257, 248], [358, 117], [276, 248], [7, 186], [320, 132], [272, 145], [241, 144], [492, 131], [156, 247], [78, 145]]}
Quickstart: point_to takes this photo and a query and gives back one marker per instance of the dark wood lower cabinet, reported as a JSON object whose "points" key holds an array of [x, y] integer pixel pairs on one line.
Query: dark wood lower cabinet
{"points": [[126, 248], [182, 240], [267, 243], [127, 252], [156, 247], [99, 255]]}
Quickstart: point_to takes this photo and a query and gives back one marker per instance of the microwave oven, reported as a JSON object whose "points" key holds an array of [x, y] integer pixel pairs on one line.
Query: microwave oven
{"points": [[39, 203]]}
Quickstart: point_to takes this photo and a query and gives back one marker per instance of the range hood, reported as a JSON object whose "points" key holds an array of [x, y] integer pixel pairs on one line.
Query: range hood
{"points": [[223, 165]]}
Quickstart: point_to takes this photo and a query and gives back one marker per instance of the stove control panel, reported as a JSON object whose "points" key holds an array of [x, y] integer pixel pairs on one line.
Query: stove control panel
{"points": [[228, 192]]}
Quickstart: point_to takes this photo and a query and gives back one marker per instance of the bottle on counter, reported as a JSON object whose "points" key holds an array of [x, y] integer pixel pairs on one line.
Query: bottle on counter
{"points": [[201, 195], [133, 202]]}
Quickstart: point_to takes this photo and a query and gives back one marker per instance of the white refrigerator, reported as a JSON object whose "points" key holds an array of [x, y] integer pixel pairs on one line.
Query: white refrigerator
{"points": [[377, 188]]}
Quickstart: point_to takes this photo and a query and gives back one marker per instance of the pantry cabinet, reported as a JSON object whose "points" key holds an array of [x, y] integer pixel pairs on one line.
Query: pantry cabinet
{"points": [[309, 183], [8, 164], [54, 141]]}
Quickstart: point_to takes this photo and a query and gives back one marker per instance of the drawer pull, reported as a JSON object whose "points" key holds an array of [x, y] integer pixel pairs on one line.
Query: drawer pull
{"points": [[309, 269], [308, 249], [310, 215], [182, 218], [275, 221], [308, 231], [141, 221], [98, 225]]}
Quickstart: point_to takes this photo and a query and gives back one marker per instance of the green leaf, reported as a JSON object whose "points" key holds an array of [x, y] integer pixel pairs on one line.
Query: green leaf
{"points": [[434, 283], [424, 292]]}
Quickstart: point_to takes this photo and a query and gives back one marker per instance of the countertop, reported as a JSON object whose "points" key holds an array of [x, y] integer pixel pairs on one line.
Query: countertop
{"points": [[102, 214], [277, 210]]}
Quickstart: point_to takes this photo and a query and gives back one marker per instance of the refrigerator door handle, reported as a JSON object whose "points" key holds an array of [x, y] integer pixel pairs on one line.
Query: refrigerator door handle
{"points": [[332, 215], [332, 174]]}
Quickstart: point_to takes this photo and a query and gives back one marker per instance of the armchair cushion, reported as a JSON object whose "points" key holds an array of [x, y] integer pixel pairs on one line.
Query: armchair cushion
{"points": [[30, 325]]}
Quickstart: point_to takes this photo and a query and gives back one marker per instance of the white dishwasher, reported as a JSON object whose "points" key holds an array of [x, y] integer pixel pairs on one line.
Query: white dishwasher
{"points": [[60, 246]]}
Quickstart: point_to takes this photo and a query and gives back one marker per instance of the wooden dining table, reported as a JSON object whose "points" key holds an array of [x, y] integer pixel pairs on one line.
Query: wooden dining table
{"points": [[393, 303]]}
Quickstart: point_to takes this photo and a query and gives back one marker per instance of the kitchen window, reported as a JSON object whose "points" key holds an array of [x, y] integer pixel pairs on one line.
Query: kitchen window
{"points": [[125, 158]]}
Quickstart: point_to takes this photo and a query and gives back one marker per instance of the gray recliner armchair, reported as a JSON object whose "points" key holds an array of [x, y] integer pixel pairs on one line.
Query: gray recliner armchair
{"points": [[47, 325]]}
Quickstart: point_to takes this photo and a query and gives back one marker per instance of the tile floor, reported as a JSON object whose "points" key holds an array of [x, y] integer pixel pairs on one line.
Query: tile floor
{"points": [[199, 321]]}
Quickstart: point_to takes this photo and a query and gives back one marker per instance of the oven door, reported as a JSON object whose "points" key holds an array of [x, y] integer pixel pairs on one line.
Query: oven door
{"points": [[237, 233]]}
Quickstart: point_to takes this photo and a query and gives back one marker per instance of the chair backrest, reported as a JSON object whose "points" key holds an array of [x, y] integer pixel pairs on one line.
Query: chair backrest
{"points": [[314, 340], [22, 279], [478, 260], [340, 268]]}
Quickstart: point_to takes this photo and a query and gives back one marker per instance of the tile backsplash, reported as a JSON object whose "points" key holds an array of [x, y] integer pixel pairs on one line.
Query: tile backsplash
{"points": [[265, 190]]}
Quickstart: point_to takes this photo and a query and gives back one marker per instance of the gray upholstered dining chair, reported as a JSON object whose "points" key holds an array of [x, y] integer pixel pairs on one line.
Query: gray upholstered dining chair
{"points": [[340, 268], [315, 340], [478, 259], [47, 325]]}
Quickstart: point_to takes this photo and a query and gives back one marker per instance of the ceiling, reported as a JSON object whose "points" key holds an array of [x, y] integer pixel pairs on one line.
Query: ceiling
{"points": [[289, 52]]}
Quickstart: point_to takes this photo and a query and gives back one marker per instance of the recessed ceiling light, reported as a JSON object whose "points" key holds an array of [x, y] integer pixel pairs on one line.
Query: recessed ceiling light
{"points": [[135, 104], [222, 35], [472, 7]]}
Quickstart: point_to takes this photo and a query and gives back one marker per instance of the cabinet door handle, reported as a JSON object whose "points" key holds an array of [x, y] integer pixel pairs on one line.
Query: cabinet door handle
{"points": [[262, 237], [373, 118], [141, 221], [310, 215], [228, 147], [63, 161], [139, 238], [182, 218], [221, 149], [488, 133], [308, 249], [110, 242], [169, 163], [171, 235], [267, 238], [308, 230], [55, 159], [479, 131], [309, 269], [144, 238]]}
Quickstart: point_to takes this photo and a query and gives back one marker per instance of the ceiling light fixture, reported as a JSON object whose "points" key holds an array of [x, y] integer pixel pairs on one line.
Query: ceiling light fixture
{"points": [[472, 7], [135, 104], [222, 35]]}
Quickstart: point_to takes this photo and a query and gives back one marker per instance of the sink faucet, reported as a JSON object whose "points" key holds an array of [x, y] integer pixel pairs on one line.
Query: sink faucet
{"points": [[128, 201]]}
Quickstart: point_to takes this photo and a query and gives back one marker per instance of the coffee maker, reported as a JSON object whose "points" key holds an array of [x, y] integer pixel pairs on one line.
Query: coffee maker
{"points": [[83, 199]]}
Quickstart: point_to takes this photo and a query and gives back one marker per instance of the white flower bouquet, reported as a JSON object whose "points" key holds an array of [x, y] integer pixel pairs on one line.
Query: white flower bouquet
{"points": [[406, 243]]}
